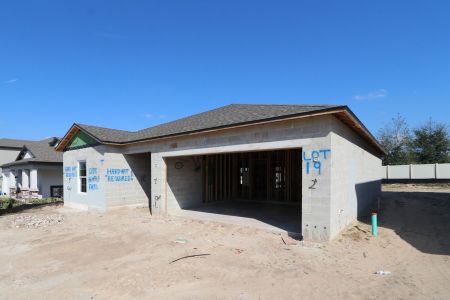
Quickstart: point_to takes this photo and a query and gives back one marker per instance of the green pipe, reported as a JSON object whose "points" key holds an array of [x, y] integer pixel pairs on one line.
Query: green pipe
{"points": [[374, 224]]}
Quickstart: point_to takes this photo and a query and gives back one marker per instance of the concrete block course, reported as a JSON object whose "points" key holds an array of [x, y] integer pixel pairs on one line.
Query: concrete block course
{"points": [[356, 180], [183, 183]]}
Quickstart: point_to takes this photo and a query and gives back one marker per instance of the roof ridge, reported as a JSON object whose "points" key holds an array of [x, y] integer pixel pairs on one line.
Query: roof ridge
{"points": [[101, 127], [286, 104]]}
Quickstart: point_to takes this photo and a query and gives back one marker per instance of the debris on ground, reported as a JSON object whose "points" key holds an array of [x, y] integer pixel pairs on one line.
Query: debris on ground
{"points": [[180, 240], [311, 245], [382, 272], [362, 230], [287, 240], [189, 256], [356, 233], [36, 221]]}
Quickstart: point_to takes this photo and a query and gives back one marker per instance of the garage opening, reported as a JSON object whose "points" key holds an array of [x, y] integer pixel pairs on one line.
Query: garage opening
{"points": [[269, 176], [260, 189]]}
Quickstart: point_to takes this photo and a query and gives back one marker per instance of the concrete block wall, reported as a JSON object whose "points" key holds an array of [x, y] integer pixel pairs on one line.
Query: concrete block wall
{"points": [[113, 179], [158, 184], [94, 198], [310, 134], [316, 190], [355, 179], [293, 133], [328, 157], [126, 178], [184, 183]]}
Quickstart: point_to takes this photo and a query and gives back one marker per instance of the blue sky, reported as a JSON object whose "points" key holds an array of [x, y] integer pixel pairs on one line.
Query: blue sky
{"points": [[134, 64]]}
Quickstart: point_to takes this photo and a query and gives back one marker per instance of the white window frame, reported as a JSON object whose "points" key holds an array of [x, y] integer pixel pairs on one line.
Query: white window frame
{"points": [[80, 177]]}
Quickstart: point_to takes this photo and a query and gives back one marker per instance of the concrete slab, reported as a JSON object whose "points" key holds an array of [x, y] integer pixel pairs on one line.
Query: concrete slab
{"points": [[267, 216]]}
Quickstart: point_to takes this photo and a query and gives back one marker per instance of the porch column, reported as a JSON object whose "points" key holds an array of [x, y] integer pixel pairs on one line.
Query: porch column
{"points": [[33, 180], [12, 184], [12, 179], [25, 179], [5, 182]]}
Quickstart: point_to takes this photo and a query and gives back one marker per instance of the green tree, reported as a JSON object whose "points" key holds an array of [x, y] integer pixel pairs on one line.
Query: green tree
{"points": [[431, 143], [395, 137]]}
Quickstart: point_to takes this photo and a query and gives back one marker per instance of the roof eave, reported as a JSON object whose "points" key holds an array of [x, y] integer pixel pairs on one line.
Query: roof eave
{"points": [[366, 133], [24, 162], [332, 110]]}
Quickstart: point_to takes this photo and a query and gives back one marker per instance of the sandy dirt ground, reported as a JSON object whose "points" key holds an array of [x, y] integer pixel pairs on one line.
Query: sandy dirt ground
{"points": [[60, 253]]}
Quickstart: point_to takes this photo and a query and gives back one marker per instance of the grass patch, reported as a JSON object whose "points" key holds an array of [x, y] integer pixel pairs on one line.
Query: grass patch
{"points": [[6, 202], [46, 200], [9, 205]]}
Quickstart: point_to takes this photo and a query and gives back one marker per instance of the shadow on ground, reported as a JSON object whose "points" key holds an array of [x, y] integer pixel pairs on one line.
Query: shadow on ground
{"points": [[422, 219], [284, 217]]}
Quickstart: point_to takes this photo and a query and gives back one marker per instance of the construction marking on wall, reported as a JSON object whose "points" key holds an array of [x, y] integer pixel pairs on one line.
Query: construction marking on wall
{"points": [[312, 187], [119, 175], [313, 160], [70, 171], [93, 179], [156, 203]]}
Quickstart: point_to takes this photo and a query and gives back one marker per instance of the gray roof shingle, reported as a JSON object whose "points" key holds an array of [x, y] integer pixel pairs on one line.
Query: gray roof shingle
{"points": [[13, 143], [233, 114], [107, 134], [42, 151]]}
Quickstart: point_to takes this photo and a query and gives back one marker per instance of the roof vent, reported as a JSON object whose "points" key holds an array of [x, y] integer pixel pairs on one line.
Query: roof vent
{"points": [[53, 141]]}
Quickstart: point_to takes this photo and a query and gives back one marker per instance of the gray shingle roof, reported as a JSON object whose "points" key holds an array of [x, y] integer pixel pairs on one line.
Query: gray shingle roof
{"points": [[229, 115], [13, 143], [42, 151], [107, 134], [225, 116]]}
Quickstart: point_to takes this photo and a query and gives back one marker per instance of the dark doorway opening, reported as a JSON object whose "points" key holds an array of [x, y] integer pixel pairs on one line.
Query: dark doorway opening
{"points": [[264, 176]]}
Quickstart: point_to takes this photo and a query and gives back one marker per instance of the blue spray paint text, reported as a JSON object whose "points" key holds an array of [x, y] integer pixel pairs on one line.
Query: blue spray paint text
{"points": [[314, 160]]}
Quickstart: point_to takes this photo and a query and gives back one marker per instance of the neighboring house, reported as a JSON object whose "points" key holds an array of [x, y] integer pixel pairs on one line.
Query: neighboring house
{"points": [[312, 165], [32, 171], [9, 149]]}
